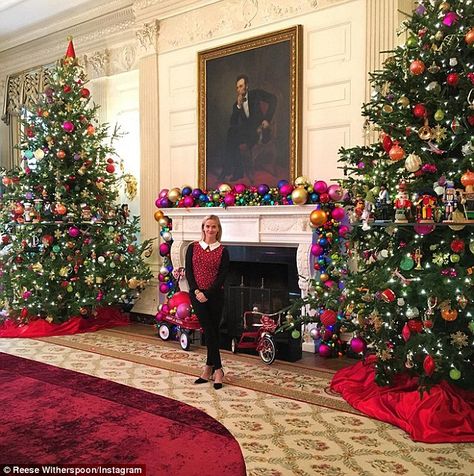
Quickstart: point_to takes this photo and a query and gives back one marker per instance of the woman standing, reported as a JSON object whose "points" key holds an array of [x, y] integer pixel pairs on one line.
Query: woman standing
{"points": [[207, 263]]}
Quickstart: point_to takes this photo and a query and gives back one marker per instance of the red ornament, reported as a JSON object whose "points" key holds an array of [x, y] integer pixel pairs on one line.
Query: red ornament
{"points": [[90, 129], [67, 88], [60, 154], [452, 79], [328, 317], [110, 168], [24, 312], [388, 295], [415, 326], [396, 153], [429, 365], [417, 67], [457, 245], [406, 333], [419, 111], [470, 119], [387, 143], [85, 93]]}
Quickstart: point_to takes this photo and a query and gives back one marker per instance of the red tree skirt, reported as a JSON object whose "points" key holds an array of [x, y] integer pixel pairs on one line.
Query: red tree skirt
{"points": [[444, 415], [106, 317]]}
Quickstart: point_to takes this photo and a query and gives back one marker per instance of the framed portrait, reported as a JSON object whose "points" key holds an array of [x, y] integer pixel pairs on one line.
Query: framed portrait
{"points": [[249, 109]]}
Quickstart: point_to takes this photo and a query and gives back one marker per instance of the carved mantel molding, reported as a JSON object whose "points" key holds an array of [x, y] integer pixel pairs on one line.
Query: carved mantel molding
{"points": [[286, 225]]}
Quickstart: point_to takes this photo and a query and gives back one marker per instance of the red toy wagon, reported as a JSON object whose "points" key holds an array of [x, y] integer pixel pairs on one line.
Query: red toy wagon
{"points": [[175, 319]]}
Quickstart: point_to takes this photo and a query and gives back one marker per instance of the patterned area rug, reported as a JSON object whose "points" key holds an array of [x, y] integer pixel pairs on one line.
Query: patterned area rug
{"points": [[285, 420]]}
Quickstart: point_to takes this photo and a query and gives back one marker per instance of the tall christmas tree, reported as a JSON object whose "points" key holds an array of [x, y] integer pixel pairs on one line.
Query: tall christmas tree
{"points": [[413, 296], [411, 299], [66, 248]]}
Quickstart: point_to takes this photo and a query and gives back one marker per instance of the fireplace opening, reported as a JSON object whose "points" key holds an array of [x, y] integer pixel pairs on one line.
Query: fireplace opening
{"points": [[260, 277]]}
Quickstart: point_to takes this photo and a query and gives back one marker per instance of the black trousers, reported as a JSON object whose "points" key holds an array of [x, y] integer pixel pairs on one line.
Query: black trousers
{"points": [[209, 314]]}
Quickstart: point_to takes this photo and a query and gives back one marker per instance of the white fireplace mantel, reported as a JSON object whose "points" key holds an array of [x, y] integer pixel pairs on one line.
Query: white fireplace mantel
{"points": [[286, 225]]}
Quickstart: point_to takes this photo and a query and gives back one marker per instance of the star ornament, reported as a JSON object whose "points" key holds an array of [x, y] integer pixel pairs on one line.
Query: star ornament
{"points": [[58, 234], [438, 133], [459, 339]]}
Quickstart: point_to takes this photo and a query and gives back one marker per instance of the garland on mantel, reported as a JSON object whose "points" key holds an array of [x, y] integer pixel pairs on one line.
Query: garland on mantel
{"points": [[330, 226]]}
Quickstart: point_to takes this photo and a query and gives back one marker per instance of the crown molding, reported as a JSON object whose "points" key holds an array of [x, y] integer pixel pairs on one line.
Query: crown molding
{"points": [[106, 31], [147, 10]]}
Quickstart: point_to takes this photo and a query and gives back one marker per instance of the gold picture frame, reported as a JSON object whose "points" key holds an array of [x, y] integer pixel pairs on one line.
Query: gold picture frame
{"points": [[260, 141]]}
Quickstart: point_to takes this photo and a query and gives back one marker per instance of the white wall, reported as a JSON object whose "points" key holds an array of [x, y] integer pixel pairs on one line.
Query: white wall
{"points": [[333, 92]]}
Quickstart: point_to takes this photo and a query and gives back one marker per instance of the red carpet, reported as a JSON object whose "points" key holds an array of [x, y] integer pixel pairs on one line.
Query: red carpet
{"points": [[55, 416], [106, 317], [445, 414]]}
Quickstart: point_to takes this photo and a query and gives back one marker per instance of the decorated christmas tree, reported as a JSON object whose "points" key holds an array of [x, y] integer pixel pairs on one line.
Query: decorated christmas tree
{"points": [[66, 247], [412, 298]]}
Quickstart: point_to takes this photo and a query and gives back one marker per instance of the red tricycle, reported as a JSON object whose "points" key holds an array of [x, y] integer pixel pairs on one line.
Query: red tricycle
{"points": [[259, 328]]}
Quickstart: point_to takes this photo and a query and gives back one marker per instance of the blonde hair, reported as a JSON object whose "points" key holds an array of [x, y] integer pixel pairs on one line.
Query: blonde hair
{"points": [[219, 227]]}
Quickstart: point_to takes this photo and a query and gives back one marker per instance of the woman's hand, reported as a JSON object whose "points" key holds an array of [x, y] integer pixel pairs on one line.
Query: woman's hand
{"points": [[200, 296]]}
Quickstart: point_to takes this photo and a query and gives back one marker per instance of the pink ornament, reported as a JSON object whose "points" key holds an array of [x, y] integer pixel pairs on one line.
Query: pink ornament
{"points": [[286, 189], [26, 294], [163, 288], [343, 230], [320, 186], [329, 283], [239, 188], [165, 309], [68, 126], [450, 19], [73, 232], [163, 193], [358, 345], [229, 200], [335, 193], [164, 249], [188, 201], [159, 316], [338, 213], [324, 350], [423, 229], [183, 310], [316, 250]]}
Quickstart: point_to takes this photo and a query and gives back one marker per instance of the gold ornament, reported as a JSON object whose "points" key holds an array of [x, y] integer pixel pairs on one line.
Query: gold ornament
{"points": [[158, 215], [301, 181], [413, 163], [174, 194], [387, 108], [424, 132], [131, 186], [404, 101], [163, 221], [318, 217], [224, 188], [299, 196]]}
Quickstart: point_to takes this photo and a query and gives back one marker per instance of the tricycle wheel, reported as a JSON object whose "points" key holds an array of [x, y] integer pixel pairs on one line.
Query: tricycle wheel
{"points": [[267, 350], [184, 340], [164, 331], [233, 345]]}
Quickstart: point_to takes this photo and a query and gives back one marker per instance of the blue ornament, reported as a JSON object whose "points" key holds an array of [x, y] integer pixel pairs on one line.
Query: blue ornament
{"points": [[281, 183]]}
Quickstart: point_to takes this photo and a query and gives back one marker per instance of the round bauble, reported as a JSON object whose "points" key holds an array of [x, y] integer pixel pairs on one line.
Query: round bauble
{"points": [[335, 192], [413, 163], [328, 317], [320, 186], [449, 314], [174, 195], [224, 188], [411, 41], [158, 215], [469, 37], [467, 179], [417, 67], [457, 245], [299, 196], [301, 181], [396, 153], [358, 345], [419, 111], [318, 217], [454, 374], [452, 79], [439, 115], [324, 350]]}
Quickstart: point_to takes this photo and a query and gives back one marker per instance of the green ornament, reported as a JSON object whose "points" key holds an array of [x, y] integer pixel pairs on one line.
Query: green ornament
{"points": [[295, 334], [28, 154], [407, 263], [454, 374], [69, 289], [439, 115], [112, 264], [412, 42], [56, 248], [454, 258], [471, 326]]}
